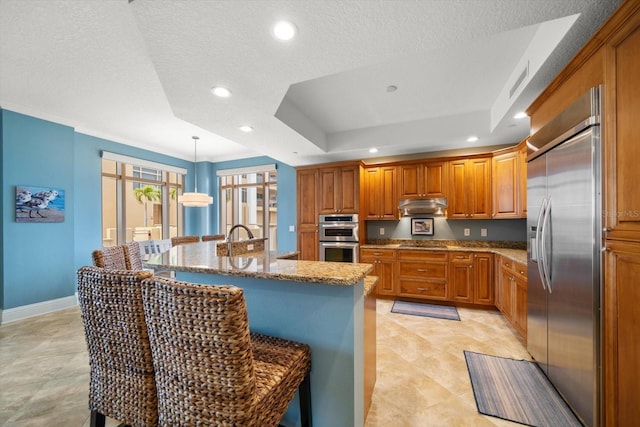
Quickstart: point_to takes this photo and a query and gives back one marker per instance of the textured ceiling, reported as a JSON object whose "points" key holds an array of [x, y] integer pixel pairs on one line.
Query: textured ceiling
{"points": [[140, 73]]}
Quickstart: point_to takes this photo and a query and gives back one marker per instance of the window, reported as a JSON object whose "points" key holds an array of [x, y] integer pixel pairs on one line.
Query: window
{"points": [[139, 200], [249, 196]]}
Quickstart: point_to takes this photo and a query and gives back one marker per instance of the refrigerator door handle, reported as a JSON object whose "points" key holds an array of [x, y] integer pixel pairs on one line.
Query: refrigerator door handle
{"points": [[538, 249], [545, 261]]}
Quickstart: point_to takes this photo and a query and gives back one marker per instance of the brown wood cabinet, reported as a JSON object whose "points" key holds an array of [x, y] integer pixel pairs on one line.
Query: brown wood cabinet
{"points": [[509, 183], [621, 177], [339, 190], [512, 293], [612, 58], [307, 193], [471, 277], [383, 261], [423, 274], [379, 193], [461, 276], [622, 331], [469, 193], [418, 180]]}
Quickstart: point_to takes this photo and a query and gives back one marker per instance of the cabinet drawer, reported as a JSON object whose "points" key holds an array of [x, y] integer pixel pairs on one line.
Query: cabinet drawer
{"points": [[520, 269], [506, 263], [461, 256], [423, 255], [423, 270], [423, 288], [378, 253]]}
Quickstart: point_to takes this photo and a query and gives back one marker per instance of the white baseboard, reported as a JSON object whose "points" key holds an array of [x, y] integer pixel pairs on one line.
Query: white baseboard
{"points": [[30, 310]]}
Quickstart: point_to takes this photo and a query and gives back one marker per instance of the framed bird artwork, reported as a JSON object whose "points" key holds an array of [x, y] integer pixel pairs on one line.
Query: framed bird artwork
{"points": [[39, 204]]}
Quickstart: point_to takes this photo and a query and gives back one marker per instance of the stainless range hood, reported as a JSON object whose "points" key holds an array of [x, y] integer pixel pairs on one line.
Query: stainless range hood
{"points": [[435, 206]]}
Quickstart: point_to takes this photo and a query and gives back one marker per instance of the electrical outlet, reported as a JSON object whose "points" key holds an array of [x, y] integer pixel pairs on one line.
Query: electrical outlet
{"points": [[250, 247], [467, 232], [483, 232], [382, 231], [292, 228]]}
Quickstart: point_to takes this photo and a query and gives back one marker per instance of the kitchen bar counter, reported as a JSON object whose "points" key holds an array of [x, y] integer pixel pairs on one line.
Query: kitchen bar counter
{"points": [[202, 258], [321, 304], [515, 251]]}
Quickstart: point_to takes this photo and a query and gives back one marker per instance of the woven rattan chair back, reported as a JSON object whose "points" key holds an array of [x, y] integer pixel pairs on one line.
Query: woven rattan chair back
{"points": [[203, 353], [210, 237], [122, 383], [110, 257], [181, 240], [132, 256]]}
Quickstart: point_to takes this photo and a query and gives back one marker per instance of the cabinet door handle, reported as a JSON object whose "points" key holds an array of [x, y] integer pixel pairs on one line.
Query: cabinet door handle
{"points": [[421, 289], [460, 256], [522, 272], [423, 270]]}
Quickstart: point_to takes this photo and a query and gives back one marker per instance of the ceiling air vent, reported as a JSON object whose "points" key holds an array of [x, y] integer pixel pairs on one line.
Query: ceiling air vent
{"points": [[521, 78]]}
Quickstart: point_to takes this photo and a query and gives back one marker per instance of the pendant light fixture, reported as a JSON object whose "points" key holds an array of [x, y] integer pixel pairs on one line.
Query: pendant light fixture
{"points": [[195, 199]]}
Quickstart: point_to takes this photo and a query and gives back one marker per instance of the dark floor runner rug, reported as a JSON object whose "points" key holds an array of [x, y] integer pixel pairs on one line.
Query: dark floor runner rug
{"points": [[516, 390], [425, 310]]}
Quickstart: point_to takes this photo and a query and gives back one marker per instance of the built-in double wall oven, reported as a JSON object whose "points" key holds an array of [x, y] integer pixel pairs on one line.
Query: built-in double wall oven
{"points": [[339, 238]]}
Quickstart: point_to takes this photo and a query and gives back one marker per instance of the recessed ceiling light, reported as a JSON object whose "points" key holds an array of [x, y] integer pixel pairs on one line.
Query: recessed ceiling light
{"points": [[220, 91], [520, 115], [284, 30], [472, 139], [246, 128], [373, 150]]}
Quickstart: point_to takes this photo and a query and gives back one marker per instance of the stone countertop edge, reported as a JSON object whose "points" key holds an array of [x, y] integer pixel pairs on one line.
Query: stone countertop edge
{"points": [[516, 254], [370, 283], [326, 273]]}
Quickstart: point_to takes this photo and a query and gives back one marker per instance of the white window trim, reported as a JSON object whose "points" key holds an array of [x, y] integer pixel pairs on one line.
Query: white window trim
{"points": [[248, 170], [140, 162]]}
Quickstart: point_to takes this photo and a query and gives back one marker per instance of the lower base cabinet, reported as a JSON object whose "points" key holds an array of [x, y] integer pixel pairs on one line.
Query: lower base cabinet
{"points": [[621, 325], [383, 261], [423, 274], [512, 293], [471, 277]]}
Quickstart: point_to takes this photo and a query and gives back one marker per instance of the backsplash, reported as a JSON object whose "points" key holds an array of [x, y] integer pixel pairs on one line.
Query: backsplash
{"points": [[454, 229]]}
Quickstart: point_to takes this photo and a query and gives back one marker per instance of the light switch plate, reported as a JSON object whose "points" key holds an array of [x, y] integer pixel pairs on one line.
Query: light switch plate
{"points": [[467, 232], [483, 232], [382, 231], [292, 228]]}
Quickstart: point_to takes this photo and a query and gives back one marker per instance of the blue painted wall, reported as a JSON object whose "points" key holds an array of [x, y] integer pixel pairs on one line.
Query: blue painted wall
{"points": [[39, 261], [453, 229]]}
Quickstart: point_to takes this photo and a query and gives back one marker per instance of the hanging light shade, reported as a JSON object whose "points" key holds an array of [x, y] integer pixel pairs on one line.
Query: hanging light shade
{"points": [[195, 199]]}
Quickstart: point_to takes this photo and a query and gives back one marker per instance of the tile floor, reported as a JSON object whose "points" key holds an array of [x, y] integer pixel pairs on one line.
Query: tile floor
{"points": [[422, 376]]}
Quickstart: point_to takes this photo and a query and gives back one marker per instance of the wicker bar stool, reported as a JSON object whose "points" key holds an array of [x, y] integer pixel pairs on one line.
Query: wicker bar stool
{"points": [[210, 370], [110, 258], [181, 240], [122, 383], [132, 256], [210, 237]]}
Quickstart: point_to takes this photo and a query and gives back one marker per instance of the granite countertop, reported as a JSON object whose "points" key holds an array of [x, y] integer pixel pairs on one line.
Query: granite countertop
{"points": [[517, 251], [202, 258], [370, 283]]}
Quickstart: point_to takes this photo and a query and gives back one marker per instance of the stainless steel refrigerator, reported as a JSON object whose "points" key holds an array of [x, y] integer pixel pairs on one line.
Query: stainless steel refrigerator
{"points": [[564, 241]]}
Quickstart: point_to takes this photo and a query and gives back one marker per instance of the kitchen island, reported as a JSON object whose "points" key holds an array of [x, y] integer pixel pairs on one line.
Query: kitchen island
{"points": [[318, 303]]}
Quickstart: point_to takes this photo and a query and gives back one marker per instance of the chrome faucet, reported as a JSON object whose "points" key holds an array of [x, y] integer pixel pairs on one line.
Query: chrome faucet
{"points": [[230, 236]]}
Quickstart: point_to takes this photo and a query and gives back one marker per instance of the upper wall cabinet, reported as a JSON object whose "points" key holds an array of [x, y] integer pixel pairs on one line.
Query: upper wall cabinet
{"points": [[469, 194], [509, 182], [622, 133], [339, 190], [419, 180], [379, 193]]}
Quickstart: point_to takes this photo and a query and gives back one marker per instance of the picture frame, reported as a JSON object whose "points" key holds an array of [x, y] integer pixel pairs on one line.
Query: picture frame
{"points": [[39, 204], [422, 226]]}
